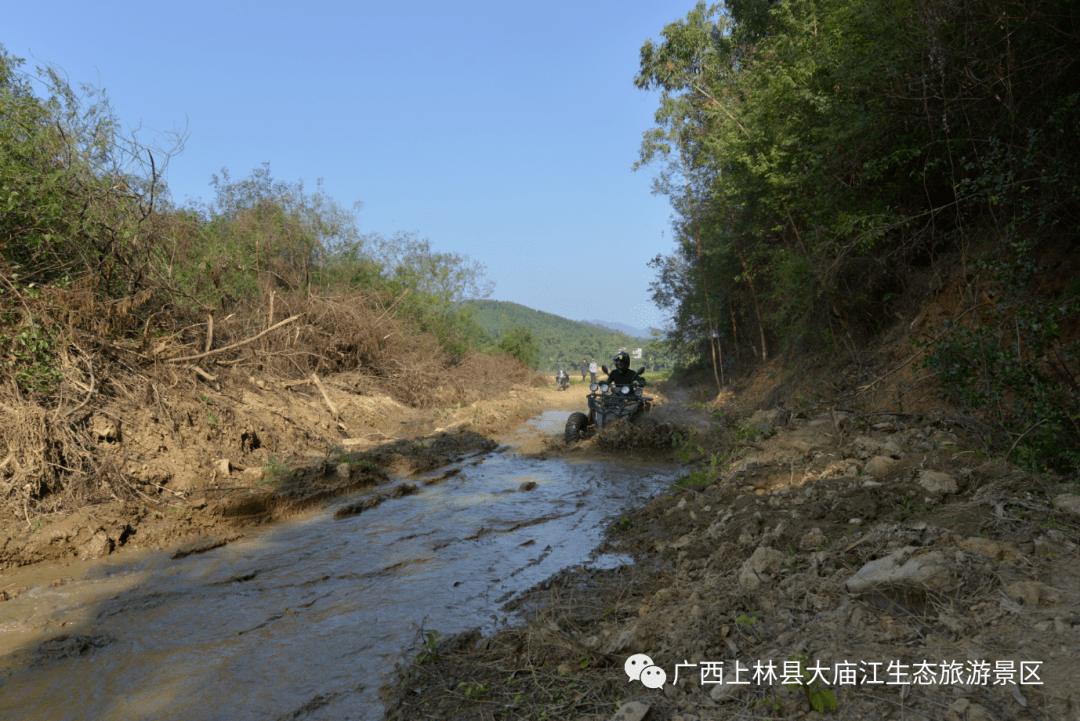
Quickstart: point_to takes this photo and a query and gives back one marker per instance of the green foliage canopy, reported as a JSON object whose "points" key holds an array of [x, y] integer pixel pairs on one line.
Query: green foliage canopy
{"points": [[518, 342], [819, 154], [815, 150]]}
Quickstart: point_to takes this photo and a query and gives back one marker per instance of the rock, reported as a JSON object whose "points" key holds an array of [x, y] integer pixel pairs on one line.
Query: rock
{"points": [[764, 419], [819, 432], [758, 569], [892, 449], [879, 466], [1025, 592], [910, 567], [99, 545], [729, 689], [994, 549], [864, 448], [681, 505], [632, 711], [254, 475], [527, 486], [938, 483], [564, 669], [223, 467], [203, 545], [627, 638], [1034, 593], [1045, 548], [403, 489], [186, 481], [812, 539], [343, 471], [1068, 502], [684, 541], [89, 532], [104, 429], [716, 530]]}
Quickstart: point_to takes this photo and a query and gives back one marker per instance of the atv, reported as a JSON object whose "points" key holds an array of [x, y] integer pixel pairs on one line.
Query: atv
{"points": [[608, 402], [562, 380]]}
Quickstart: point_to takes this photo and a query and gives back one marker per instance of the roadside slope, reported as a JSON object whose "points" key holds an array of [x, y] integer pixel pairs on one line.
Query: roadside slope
{"points": [[198, 468], [856, 544]]}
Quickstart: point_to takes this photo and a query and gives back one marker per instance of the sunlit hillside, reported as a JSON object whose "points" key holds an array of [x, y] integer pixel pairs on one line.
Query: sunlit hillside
{"points": [[561, 341]]}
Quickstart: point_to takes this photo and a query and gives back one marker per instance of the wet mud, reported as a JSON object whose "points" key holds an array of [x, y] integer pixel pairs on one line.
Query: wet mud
{"points": [[307, 616]]}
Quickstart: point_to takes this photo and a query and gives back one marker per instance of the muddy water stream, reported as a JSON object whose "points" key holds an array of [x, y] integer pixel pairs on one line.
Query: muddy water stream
{"points": [[306, 618]]}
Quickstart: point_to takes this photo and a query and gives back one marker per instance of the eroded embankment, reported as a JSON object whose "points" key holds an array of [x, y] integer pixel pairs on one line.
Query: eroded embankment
{"points": [[272, 454], [922, 578]]}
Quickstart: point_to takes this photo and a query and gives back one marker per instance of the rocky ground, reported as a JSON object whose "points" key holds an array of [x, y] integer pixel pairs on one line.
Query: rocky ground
{"points": [[885, 565]]}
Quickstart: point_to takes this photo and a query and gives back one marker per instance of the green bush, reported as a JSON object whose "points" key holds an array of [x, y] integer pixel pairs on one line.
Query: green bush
{"points": [[1007, 361], [518, 342]]}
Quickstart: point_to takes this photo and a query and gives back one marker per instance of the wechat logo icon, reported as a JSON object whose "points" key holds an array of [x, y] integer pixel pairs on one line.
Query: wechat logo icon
{"points": [[640, 667]]}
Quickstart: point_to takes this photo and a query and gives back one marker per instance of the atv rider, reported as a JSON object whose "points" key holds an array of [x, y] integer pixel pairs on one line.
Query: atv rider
{"points": [[623, 375]]}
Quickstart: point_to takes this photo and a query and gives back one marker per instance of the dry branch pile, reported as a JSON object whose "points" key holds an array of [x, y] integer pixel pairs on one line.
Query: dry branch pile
{"points": [[58, 415]]}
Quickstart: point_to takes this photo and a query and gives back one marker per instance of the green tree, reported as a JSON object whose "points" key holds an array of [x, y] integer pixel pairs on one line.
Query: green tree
{"points": [[77, 195], [258, 230], [813, 150], [450, 278], [518, 342]]}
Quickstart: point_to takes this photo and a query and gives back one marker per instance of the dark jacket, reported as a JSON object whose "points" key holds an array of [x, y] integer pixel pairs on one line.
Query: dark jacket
{"points": [[626, 377]]}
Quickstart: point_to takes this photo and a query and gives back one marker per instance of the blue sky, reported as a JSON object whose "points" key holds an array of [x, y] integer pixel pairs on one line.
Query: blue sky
{"points": [[503, 131]]}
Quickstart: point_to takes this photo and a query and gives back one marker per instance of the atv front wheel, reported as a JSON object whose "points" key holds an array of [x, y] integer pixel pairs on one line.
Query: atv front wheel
{"points": [[575, 427]]}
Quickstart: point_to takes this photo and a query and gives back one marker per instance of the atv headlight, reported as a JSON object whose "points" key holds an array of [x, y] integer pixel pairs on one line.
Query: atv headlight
{"points": [[639, 390], [604, 387], [593, 387], [625, 390]]}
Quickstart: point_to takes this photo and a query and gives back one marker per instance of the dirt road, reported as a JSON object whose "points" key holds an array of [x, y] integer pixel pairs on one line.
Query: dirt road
{"points": [[305, 618], [886, 557]]}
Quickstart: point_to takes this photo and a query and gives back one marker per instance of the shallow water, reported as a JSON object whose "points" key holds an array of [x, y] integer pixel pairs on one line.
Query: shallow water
{"points": [[305, 619]]}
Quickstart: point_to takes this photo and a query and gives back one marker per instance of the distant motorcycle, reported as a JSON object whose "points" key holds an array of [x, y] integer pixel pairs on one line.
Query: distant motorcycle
{"points": [[562, 380]]}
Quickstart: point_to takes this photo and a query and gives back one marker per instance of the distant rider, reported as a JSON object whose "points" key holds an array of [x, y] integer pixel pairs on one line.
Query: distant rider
{"points": [[623, 375]]}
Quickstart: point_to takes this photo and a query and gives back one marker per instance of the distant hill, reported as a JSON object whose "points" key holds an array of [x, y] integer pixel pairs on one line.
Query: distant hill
{"points": [[620, 328], [561, 341]]}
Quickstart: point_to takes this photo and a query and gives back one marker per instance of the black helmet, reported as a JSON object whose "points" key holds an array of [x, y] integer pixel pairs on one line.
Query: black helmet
{"points": [[622, 361]]}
